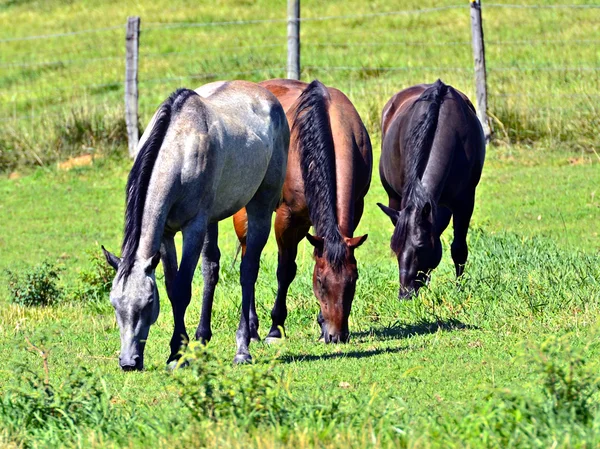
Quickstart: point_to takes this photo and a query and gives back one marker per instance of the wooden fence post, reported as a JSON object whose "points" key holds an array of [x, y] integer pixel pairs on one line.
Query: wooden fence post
{"points": [[480, 73], [132, 39], [293, 29]]}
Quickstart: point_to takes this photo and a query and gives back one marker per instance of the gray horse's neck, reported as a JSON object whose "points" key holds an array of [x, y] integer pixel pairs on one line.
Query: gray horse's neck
{"points": [[156, 210]]}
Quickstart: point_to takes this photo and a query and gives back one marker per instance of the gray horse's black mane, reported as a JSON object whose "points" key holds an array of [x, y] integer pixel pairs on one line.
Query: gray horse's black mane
{"points": [[139, 177], [418, 147], [317, 159]]}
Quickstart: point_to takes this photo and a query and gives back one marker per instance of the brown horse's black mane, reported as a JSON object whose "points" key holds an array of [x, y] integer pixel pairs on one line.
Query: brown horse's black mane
{"points": [[317, 159], [139, 177]]}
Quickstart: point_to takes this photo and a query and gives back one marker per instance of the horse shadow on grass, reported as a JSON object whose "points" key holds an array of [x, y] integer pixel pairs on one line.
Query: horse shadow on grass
{"points": [[290, 358], [400, 331], [394, 332]]}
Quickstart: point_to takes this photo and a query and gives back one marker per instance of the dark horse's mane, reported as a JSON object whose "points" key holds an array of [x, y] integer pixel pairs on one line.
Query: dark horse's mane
{"points": [[317, 160], [418, 147], [139, 177]]}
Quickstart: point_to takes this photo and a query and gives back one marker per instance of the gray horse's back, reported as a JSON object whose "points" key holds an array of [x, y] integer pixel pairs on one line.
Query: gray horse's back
{"points": [[254, 129]]}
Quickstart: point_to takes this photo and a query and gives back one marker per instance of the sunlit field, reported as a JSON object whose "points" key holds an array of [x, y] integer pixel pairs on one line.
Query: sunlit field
{"points": [[507, 356]]}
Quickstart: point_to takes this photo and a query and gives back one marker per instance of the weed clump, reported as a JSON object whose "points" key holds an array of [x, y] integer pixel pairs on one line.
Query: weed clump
{"points": [[94, 282], [37, 286]]}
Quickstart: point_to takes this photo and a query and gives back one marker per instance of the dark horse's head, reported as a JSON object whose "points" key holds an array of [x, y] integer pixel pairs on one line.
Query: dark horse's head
{"points": [[415, 244], [334, 284]]}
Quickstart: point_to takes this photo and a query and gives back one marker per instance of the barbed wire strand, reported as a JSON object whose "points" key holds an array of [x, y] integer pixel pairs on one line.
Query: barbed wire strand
{"points": [[69, 33]]}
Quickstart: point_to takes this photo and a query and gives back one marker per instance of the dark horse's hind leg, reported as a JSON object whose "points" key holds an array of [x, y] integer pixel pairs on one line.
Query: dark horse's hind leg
{"points": [[259, 226], [459, 248], [193, 240], [210, 272], [288, 235]]}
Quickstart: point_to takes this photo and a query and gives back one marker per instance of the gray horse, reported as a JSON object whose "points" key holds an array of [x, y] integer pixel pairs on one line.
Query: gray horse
{"points": [[205, 155]]}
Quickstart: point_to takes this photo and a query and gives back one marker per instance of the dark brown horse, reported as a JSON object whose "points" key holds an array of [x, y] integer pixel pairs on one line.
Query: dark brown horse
{"points": [[328, 175], [432, 155]]}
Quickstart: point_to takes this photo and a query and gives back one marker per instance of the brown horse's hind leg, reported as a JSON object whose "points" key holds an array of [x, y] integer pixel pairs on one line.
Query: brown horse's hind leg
{"points": [[288, 238], [459, 248]]}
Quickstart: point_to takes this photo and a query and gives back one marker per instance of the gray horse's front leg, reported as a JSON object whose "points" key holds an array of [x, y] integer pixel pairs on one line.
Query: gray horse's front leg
{"points": [[259, 226], [210, 271], [193, 239]]}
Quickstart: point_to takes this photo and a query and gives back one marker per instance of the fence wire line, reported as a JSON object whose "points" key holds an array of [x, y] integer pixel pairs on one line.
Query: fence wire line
{"points": [[119, 83], [532, 68], [70, 33], [559, 6], [457, 69], [155, 25], [158, 25], [307, 45], [141, 56]]}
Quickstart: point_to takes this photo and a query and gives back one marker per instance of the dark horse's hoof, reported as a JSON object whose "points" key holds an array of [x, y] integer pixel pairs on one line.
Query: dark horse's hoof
{"points": [[240, 359]]}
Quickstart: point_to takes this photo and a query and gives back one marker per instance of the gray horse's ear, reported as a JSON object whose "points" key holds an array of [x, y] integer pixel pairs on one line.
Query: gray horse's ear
{"points": [[392, 213], [315, 241], [112, 260], [153, 262]]}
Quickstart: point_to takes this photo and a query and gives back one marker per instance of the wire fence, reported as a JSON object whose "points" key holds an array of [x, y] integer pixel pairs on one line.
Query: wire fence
{"points": [[540, 65]]}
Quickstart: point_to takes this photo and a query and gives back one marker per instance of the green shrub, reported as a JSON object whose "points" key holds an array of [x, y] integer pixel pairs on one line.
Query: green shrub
{"points": [[36, 286], [94, 282]]}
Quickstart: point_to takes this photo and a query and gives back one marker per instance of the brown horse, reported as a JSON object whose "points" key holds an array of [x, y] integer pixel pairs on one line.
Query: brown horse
{"points": [[328, 175], [432, 155]]}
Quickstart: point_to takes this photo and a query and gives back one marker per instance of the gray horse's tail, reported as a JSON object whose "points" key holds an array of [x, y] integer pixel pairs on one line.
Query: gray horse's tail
{"points": [[311, 130], [139, 177]]}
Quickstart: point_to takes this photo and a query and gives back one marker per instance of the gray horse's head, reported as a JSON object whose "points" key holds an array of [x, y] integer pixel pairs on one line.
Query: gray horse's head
{"points": [[415, 245], [135, 298]]}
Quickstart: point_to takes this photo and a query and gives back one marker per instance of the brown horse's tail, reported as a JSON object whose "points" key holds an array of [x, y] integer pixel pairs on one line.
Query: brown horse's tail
{"points": [[311, 130]]}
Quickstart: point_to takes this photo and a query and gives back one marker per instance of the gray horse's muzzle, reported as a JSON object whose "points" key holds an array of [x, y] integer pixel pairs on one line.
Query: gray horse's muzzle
{"points": [[133, 363]]}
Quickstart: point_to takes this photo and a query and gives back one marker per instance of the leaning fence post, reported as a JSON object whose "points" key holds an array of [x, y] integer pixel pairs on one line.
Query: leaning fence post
{"points": [[480, 73], [293, 29], [132, 39]]}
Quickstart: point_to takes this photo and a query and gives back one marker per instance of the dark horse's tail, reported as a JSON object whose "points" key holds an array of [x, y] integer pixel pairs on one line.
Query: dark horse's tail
{"points": [[139, 176], [421, 135], [311, 130]]}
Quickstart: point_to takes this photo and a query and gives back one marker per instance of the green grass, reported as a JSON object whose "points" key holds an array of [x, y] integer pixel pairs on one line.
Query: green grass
{"points": [[505, 357], [427, 367]]}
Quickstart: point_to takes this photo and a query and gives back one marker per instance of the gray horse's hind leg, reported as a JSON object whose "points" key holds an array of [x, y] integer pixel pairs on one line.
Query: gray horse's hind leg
{"points": [[193, 239], [168, 255], [259, 226], [210, 271]]}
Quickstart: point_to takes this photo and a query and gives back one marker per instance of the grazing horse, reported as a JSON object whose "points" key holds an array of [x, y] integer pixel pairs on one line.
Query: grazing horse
{"points": [[432, 155], [181, 180], [328, 175]]}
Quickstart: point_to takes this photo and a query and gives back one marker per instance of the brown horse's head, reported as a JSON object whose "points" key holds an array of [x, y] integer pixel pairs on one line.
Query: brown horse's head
{"points": [[415, 244], [334, 284]]}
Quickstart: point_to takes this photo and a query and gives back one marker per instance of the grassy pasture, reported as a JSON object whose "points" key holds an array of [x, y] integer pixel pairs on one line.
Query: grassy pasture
{"points": [[507, 357], [542, 63]]}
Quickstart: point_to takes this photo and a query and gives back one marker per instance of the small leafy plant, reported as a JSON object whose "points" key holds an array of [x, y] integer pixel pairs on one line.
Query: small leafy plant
{"points": [[38, 286]]}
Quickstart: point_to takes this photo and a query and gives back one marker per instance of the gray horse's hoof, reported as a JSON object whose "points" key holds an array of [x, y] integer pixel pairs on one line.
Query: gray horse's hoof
{"points": [[240, 359], [273, 340]]}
